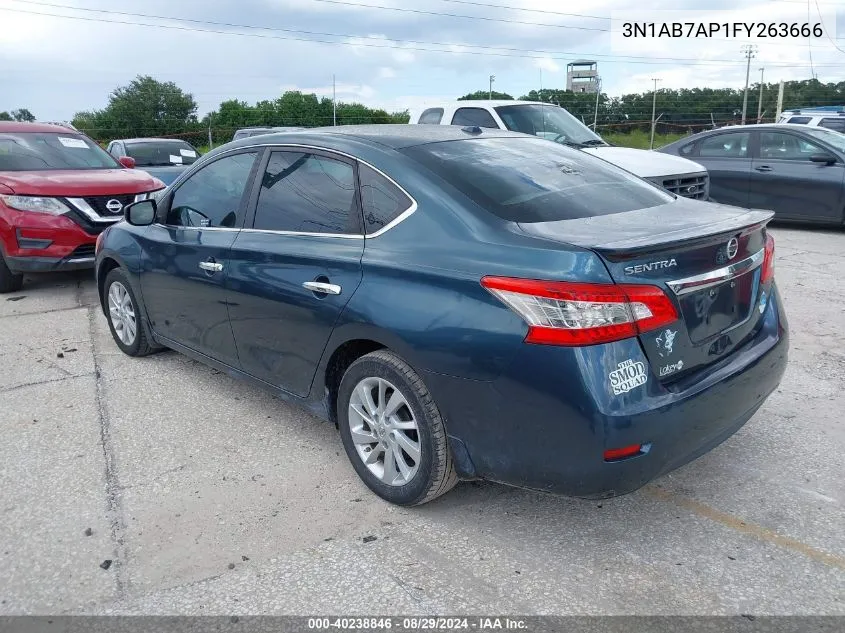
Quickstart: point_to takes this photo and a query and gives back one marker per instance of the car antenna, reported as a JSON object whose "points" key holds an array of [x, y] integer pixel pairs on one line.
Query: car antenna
{"points": [[471, 129]]}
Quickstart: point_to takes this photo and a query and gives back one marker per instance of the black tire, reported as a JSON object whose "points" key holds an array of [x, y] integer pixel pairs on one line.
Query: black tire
{"points": [[139, 345], [435, 474], [9, 281]]}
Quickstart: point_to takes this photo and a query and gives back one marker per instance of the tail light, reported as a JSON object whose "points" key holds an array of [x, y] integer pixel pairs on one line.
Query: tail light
{"points": [[564, 313], [768, 260]]}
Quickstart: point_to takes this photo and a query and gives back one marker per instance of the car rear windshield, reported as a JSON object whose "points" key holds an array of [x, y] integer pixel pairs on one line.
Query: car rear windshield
{"points": [[152, 153], [531, 180], [36, 151]]}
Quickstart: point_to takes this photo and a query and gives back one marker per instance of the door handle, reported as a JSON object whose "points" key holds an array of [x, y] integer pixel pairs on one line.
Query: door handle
{"points": [[763, 168], [322, 288], [212, 267]]}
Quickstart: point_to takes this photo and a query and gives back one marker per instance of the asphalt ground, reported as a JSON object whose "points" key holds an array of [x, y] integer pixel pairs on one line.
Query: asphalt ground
{"points": [[211, 497]]}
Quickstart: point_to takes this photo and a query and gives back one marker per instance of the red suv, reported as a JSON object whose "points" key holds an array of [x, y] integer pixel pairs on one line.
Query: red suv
{"points": [[58, 191]]}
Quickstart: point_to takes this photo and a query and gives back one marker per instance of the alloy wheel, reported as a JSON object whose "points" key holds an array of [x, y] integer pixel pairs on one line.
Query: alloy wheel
{"points": [[384, 431], [122, 313]]}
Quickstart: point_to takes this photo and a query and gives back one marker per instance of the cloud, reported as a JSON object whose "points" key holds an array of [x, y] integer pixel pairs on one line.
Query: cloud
{"points": [[390, 59]]}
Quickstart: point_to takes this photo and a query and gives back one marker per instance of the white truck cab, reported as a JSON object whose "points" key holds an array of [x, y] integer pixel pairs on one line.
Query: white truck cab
{"points": [[678, 175], [831, 117]]}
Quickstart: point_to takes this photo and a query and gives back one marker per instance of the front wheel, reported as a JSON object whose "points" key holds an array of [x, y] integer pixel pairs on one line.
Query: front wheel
{"points": [[392, 431], [123, 315]]}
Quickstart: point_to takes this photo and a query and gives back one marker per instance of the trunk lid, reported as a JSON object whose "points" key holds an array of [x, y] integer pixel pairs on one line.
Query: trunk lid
{"points": [[707, 258]]}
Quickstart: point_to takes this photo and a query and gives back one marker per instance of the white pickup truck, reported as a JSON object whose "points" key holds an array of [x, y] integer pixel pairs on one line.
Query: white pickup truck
{"points": [[678, 175]]}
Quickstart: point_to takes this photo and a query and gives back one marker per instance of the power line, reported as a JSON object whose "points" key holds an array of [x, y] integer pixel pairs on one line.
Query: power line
{"points": [[544, 11], [559, 55], [346, 35], [460, 15], [824, 28]]}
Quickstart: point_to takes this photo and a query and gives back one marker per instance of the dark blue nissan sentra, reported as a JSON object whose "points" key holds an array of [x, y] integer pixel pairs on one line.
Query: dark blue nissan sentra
{"points": [[462, 303]]}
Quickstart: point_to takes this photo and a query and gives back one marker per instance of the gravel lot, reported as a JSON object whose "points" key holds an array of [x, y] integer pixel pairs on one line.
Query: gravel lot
{"points": [[211, 497]]}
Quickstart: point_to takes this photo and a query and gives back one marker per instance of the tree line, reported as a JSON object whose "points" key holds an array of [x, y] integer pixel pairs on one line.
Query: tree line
{"points": [[689, 108], [146, 107]]}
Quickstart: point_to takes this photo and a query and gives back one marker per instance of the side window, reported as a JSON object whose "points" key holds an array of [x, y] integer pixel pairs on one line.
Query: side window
{"points": [[212, 196], [383, 201], [786, 147], [431, 116], [800, 119], [837, 124], [732, 145], [307, 193], [115, 149], [687, 149], [474, 116]]}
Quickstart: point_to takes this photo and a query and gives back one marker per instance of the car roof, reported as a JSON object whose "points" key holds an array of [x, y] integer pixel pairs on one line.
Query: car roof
{"points": [[395, 136], [22, 126], [760, 126], [145, 140], [492, 103]]}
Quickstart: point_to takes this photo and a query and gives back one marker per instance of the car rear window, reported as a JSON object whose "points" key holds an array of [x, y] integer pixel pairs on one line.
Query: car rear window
{"points": [[161, 153], [532, 180], [36, 151]]}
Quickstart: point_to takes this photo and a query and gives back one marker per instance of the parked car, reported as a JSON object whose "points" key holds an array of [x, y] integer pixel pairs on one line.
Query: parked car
{"points": [[831, 117], [58, 191], [681, 177], [796, 171], [164, 158], [460, 303], [258, 131]]}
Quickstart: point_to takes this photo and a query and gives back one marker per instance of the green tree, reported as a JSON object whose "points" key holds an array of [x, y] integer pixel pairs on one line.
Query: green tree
{"points": [[5, 116], [144, 107], [23, 114], [480, 95]]}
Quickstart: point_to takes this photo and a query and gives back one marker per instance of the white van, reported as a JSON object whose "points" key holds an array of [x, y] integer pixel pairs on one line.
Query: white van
{"points": [[674, 173]]}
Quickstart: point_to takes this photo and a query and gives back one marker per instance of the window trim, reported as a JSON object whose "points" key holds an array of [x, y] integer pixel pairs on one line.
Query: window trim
{"points": [[411, 208], [252, 209], [164, 209], [266, 147]]}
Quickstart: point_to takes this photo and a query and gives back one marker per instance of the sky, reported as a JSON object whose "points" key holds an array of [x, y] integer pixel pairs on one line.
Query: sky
{"points": [[58, 57]]}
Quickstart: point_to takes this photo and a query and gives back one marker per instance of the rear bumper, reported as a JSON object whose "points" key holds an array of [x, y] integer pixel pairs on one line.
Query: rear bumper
{"points": [[35, 242], [547, 421]]}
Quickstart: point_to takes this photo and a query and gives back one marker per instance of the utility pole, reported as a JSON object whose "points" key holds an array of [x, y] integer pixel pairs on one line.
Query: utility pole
{"points": [[760, 101], [598, 94], [492, 79], [780, 101], [210, 143], [749, 50], [653, 111], [334, 102]]}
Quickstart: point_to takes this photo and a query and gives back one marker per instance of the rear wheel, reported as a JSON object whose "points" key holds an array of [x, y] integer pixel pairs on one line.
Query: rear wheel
{"points": [[392, 431], [123, 315], [9, 281]]}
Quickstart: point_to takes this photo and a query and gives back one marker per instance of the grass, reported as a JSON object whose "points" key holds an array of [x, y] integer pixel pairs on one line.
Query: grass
{"points": [[639, 139]]}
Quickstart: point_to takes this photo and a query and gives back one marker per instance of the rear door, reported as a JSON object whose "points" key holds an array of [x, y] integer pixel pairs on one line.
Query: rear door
{"points": [[185, 257], [784, 180], [295, 268], [727, 157]]}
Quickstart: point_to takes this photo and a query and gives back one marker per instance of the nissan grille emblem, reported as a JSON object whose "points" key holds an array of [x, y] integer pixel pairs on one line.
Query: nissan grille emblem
{"points": [[733, 247], [114, 206]]}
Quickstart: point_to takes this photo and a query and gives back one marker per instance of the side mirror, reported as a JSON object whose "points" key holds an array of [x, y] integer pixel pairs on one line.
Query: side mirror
{"points": [[127, 161], [827, 159], [141, 213]]}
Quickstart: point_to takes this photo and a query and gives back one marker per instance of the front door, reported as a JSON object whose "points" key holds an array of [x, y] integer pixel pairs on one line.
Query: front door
{"points": [[784, 180], [185, 257], [292, 273]]}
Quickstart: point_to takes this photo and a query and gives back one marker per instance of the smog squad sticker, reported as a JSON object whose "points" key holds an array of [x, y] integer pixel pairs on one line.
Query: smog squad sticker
{"points": [[627, 375]]}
